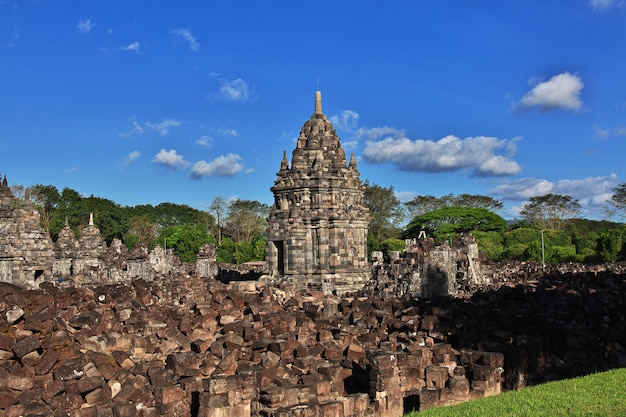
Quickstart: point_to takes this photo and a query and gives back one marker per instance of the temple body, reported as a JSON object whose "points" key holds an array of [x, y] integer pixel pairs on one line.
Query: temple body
{"points": [[317, 232]]}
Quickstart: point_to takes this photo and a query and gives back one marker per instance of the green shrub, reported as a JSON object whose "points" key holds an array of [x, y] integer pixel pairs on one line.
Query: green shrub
{"points": [[491, 244]]}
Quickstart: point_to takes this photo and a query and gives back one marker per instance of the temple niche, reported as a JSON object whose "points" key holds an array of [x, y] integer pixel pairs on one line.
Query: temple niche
{"points": [[317, 228]]}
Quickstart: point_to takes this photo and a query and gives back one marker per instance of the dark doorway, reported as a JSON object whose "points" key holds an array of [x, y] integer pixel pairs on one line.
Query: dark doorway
{"points": [[411, 403]]}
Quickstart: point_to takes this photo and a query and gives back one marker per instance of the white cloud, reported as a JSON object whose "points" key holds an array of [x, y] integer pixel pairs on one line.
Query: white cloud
{"points": [[84, 26], [205, 141], [186, 35], [346, 120], [561, 92], [228, 132], [132, 157], [405, 196], [163, 127], [135, 129], [620, 131], [170, 159], [222, 166], [591, 192], [600, 133], [378, 132], [235, 90], [134, 47], [602, 5], [447, 154]]}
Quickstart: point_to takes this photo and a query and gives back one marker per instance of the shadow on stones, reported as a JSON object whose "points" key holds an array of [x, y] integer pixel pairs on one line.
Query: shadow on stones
{"points": [[559, 326]]}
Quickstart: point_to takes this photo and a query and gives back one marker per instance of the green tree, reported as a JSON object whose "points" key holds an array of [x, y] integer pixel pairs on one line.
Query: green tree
{"points": [[225, 253], [144, 230], [423, 204], [611, 246], [246, 220], [386, 212], [219, 207], [108, 217], [450, 221], [185, 240], [617, 202], [45, 198], [492, 243], [550, 211]]}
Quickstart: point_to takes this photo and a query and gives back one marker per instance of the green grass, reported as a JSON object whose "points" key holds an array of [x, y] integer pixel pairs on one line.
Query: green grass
{"points": [[602, 394]]}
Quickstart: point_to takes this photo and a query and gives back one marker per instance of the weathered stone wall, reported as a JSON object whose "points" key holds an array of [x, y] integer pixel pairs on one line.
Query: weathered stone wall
{"points": [[28, 256], [428, 269]]}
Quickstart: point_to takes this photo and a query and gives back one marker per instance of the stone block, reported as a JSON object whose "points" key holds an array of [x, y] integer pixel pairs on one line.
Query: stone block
{"points": [[167, 395], [49, 358], [84, 385], [7, 398], [27, 345], [15, 382], [436, 376]]}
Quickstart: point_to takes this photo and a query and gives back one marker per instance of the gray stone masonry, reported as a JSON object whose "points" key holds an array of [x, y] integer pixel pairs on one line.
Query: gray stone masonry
{"points": [[317, 232]]}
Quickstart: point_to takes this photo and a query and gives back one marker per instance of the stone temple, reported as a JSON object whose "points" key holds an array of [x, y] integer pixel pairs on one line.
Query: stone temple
{"points": [[317, 227]]}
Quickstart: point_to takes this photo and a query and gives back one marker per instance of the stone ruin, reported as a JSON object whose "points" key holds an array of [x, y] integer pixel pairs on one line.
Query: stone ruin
{"points": [[192, 346], [317, 227], [429, 269], [29, 257]]}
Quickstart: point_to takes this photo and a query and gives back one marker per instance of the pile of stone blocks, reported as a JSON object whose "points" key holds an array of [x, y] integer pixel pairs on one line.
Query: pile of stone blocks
{"points": [[191, 346]]}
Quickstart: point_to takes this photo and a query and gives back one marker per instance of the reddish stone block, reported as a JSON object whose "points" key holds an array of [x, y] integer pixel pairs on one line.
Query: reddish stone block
{"points": [[27, 345], [436, 376], [84, 385], [46, 362], [167, 395], [66, 402], [7, 398]]}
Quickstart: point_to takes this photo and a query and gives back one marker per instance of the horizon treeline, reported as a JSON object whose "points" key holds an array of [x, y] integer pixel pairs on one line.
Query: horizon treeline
{"points": [[550, 229]]}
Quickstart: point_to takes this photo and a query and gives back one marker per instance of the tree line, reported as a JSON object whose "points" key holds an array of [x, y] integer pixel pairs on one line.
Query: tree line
{"points": [[549, 228], [237, 227]]}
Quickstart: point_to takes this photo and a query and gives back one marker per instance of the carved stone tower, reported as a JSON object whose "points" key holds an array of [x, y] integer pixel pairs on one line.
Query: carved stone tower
{"points": [[317, 232]]}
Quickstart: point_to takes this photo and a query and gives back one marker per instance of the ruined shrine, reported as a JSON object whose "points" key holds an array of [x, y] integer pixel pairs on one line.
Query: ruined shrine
{"points": [[317, 232]]}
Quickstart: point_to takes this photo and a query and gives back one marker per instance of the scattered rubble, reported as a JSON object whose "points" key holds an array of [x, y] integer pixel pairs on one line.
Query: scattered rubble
{"points": [[190, 346]]}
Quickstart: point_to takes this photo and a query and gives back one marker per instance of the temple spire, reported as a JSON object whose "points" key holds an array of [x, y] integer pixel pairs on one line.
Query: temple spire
{"points": [[318, 102]]}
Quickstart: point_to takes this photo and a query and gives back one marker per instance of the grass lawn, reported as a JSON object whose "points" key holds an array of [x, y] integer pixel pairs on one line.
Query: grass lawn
{"points": [[602, 394]]}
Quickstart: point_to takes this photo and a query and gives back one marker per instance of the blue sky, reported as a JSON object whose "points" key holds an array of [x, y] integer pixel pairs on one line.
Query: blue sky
{"points": [[149, 102]]}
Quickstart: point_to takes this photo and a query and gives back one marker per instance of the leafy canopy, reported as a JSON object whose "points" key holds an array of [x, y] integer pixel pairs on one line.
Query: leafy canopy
{"points": [[550, 211], [453, 221]]}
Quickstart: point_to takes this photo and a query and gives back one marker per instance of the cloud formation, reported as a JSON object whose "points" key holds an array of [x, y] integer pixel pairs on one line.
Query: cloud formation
{"points": [[135, 129], [591, 192], [132, 157], [222, 166], [561, 92], [345, 120], [163, 127], [134, 47], [235, 90], [602, 5], [187, 36], [228, 132], [479, 154], [170, 159], [84, 26], [205, 141]]}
